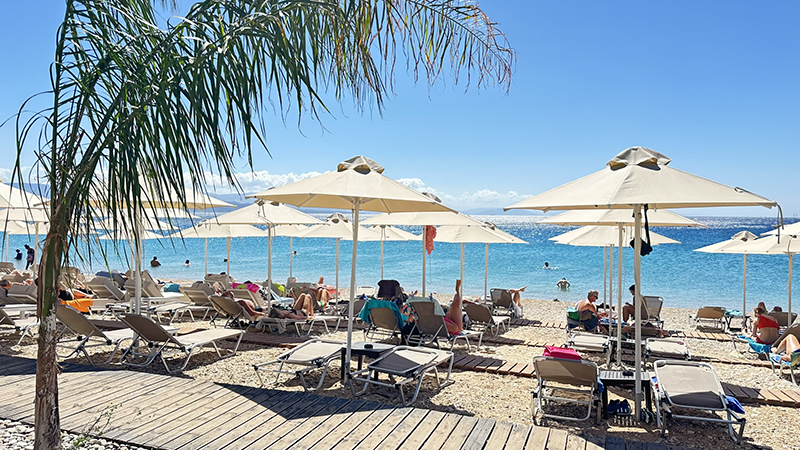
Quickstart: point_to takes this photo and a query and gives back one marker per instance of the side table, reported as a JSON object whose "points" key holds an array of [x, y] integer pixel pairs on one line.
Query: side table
{"points": [[616, 378], [358, 349]]}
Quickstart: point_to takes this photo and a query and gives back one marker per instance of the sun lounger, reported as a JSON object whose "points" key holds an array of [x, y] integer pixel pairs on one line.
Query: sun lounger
{"points": [[88, 335], [576, 377], [22, 293], [26, 326], [6, 267], [654, 305], [783, 318], [686, 386], [311, 355], [404, 365], [159, 341], [502, 302], [223, 279], [367, 291], [106, 288], [383, 324], [389, 290], [430, 328], [232, 311], [591, 342], [198, 294], [481, 316], [710, 317], [17, 277], [666, 349]]}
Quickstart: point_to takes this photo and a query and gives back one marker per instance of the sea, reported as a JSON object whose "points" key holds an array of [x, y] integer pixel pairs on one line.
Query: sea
{"points": [[683, 277]]}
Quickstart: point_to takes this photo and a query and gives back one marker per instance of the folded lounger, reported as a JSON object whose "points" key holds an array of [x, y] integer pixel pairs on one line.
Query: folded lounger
{"points": [[686, 386], [580, 377], [591, 342], [481, 316], [88, 334], [25, 326], [666, 349], [710, 317], [160, 340], [311, 355], [404, 365]]}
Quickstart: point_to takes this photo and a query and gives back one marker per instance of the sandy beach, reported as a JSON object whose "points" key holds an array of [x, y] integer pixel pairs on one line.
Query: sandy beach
{"points": [[508, 397]]}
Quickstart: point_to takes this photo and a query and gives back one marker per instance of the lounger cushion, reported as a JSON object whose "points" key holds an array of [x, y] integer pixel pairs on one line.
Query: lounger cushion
{"points": [[689, 385], [207, 336], [667, 347]]}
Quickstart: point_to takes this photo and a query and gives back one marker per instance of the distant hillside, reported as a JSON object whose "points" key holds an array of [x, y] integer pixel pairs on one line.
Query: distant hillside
{"points": [[500, 212]]}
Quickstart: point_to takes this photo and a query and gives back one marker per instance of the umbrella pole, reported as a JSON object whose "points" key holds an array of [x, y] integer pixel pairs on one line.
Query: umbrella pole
{"points": [[424, 238], [228, 246], [337, 268], [605, 277], [291, 255], [486, 274], [346, 368], [610, 285], [269, 259], [619, 298], [206, 260], [461, 291], [138, 275], [381, 259], [637, 278], [790, 284], [36, 243], [744, 292]]}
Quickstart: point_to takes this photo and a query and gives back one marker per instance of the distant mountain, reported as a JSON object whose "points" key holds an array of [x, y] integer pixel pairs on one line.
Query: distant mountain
{"points": [[500, 212]]}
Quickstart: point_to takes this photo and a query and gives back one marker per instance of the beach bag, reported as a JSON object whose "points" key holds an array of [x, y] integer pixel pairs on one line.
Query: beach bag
{"points": [[561, 352], [646, 247], [172, 287], [572, 313]]}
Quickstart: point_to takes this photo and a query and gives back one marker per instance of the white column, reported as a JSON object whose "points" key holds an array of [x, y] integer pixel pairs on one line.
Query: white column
{"points": [[637, 278], [619, 297], [337, 264], [424, 237], [346, 368], [486, 274]]}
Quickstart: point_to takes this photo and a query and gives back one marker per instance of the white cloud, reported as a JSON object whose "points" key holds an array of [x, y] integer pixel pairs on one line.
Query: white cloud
{"points": [[256, 181], [483, 198]]}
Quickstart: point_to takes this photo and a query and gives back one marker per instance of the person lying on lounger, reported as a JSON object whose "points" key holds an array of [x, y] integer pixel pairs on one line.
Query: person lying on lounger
{"points": [[765, 327], [784, 350], [303, 308]]}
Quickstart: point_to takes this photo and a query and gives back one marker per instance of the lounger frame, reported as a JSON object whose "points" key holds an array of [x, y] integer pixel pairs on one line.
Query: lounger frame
{"points": [[88, 334], [286, 359], [664, 403], [586, 387], [591, 342]]}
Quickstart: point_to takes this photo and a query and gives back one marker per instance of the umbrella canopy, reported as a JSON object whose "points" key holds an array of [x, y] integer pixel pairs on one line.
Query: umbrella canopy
{"points": [[656, 218], [271, 214], [11, 197], [725, 247], [358, 184], [793, 228], [600, 236], [636, 177], [36, 215], [483, 234]]}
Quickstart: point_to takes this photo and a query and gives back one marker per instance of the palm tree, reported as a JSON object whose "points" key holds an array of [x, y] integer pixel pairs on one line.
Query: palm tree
{"points": [[142, 107]]}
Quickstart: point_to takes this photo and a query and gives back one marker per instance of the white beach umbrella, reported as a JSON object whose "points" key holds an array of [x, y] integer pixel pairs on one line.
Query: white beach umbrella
{"points": [[23, 206], [793, 228], [337, 226], [271, 214], [601, 236], [785, 244], [634, 178], [390, 233], [357, 184], [484, 234], [725, 247], [11, 197], [209, 229], [424, 218]]}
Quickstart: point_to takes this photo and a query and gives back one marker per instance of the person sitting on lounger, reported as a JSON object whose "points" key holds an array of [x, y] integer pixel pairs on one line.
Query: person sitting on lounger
{"points": [[628, 310], [784, 350], [765, 327], [588, 312], [303, 308]]}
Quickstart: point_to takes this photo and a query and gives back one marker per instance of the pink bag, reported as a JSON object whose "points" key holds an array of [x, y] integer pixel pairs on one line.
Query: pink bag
{"points": [[561, 352]]}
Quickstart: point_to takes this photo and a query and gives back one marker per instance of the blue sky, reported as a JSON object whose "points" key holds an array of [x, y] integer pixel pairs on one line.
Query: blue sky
{"points": [[713, 85]]}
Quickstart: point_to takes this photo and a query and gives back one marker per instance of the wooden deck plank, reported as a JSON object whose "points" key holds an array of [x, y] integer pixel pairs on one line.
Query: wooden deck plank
{"points": [[506, 367], [537, 440], [407, 427], [349, 426], [575, 443], [460, 433], [330, 424], [477, 438], [320, 408], [442, 432], [557, 440], [373, 439], [499, 437], [265, 410], [423, 431], [517, 437]]}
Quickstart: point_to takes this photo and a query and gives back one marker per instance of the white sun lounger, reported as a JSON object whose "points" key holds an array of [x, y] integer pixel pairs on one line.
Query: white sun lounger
{"points": [[311, 355]]}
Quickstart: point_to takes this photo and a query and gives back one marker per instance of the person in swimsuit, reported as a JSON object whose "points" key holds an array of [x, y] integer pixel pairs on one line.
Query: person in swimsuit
{"points": [[591, 322], [786, 348], [454, 318], [765, 327]]}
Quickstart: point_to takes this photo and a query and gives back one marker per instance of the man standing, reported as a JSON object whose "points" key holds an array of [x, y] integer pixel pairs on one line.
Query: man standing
{"points": [[31, 254]]}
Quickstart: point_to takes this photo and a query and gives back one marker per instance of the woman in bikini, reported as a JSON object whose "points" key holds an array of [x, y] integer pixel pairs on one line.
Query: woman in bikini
{"points": [[765, 327]]}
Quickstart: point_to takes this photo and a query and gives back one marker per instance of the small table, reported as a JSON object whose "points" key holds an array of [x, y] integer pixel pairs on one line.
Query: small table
{"points": [[358, 349], [729, 318], [616, 378]]}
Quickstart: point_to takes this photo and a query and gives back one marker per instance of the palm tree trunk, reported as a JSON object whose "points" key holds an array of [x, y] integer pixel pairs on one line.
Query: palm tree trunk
{"points": [[48, 428]]}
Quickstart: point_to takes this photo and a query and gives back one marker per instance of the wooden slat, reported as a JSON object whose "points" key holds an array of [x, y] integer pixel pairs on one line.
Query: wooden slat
{"points": [[537, 440], [517, 437], [575, 442], [506, 367], [424, 430], [403, 430], [499, 436], [477, 438], [557, 440], [352, 428], [373, 438], [460, 433], [442, 432]]}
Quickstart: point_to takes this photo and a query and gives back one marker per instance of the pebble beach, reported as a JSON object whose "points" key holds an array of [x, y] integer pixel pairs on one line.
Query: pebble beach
{"points": [[501, 397]]}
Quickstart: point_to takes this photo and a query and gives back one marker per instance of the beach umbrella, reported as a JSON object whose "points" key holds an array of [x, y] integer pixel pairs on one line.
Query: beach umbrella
{"points": [[337, 226], [13, 227], [424, 218], [793, 228], [725, 247], [358, 184], [635, 178], [785, 244], [209, 229], [390, 233], [484, 234], [11, 197], [25, 207], [271, 214]]}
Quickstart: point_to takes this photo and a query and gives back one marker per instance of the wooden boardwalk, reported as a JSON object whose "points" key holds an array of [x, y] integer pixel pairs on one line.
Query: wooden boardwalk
{"points": [[163, 412]]}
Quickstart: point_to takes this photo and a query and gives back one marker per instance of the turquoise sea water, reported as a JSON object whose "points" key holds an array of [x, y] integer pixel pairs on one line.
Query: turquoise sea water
{"points": [[683, 277]]}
